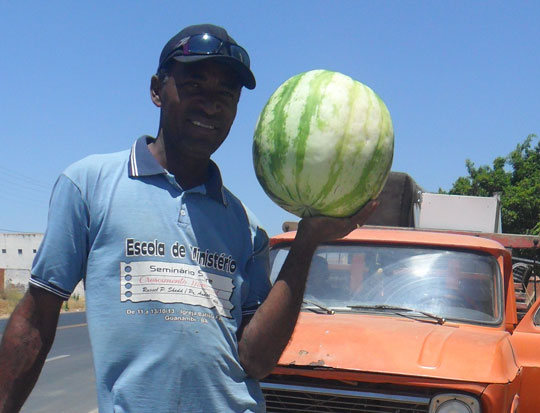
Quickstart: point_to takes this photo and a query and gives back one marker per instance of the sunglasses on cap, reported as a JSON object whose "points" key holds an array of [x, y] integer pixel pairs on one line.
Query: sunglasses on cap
{"points": [[207, 44]]}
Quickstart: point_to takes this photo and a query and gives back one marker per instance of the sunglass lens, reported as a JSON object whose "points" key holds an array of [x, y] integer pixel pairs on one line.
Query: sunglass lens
{"points": [[204, 44], [240, 54]]}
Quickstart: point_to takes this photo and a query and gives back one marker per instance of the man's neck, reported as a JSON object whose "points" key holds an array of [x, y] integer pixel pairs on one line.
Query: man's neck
{"points": [[188, 172]]}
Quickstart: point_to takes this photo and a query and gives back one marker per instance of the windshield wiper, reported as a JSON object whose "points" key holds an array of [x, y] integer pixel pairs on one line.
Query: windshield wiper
{"points": [[325, 309], [396, 310]]}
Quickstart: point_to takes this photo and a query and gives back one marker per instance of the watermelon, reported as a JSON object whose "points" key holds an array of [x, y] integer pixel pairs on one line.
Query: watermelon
{"points": [[323, 145]]}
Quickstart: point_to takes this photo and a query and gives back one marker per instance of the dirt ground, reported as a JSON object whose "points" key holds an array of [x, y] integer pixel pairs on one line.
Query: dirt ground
{"points": [[11, 296]]}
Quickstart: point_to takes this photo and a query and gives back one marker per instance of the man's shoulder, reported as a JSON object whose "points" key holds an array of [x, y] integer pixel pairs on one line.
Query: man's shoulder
{"points": [[234, 200]]}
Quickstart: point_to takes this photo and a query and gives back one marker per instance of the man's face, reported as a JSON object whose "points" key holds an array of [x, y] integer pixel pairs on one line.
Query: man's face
{"points": [[198, 107]]}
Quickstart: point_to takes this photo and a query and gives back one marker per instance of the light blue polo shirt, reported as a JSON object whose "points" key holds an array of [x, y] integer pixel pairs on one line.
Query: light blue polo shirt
{"points": [[168, 273]]}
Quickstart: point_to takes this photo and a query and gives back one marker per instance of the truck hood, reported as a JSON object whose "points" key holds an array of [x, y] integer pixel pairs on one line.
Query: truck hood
{"points": [[386, 344]]}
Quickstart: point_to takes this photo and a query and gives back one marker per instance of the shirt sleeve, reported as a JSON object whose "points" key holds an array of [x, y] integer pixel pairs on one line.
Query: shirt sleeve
{"points": [[258, 272], [60, 262]]}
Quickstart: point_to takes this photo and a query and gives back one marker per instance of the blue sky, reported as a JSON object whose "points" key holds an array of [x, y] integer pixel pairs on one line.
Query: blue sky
{"points": [[460, 78]]}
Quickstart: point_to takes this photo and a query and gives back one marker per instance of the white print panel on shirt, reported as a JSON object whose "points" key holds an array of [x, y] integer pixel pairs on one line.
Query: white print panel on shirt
{"points": [[172, 283]]}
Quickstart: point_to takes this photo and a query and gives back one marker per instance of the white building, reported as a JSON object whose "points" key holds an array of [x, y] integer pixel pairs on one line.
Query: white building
{"points": [[17, 252]]}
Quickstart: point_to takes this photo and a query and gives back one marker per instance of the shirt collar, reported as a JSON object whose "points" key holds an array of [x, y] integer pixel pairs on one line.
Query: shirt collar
{"points": [[141, 160], [142, 163]]}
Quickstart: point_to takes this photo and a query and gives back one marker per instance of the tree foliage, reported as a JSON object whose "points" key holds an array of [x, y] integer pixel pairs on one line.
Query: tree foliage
{"points": [[516, 178]]}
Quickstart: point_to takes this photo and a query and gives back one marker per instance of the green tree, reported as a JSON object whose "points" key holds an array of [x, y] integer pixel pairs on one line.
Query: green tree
{"points": [[517, 178]]}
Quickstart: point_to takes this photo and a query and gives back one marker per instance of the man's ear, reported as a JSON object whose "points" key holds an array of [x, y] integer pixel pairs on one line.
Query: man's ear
{"points": [[155, 87]]}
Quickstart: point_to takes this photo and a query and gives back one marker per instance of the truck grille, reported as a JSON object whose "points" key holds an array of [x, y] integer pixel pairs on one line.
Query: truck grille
{"points": [[296, 398]]}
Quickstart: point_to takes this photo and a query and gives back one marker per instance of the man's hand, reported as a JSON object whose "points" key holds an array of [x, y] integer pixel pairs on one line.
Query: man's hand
{"points": [[321, 229]]}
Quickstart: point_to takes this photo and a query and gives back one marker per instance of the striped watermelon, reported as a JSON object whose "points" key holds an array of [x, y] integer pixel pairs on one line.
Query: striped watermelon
{"points": [[323, 145]]}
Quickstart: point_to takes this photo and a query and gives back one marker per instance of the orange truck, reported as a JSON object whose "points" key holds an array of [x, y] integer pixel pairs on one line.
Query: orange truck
{"points": [[406, 319]]}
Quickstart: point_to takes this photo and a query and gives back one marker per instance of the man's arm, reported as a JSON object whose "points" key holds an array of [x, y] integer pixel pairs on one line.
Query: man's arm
{"points": [[264, 337], [27, 339]]}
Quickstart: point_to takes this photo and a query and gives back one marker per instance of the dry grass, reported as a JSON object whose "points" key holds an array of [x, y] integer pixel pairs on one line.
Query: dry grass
{"points": [[75, 303], [8, 300], [10, 297]]}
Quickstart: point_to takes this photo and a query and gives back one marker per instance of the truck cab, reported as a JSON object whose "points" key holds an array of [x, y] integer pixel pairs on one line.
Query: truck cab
{"points": [[409, 320]]}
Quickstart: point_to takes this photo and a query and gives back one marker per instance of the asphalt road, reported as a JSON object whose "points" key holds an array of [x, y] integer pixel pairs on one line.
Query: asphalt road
{"points": [[67, 382]]}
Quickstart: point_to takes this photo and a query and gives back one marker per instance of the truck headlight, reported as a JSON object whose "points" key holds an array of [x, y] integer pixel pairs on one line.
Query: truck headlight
{"points": [[454, 403]]}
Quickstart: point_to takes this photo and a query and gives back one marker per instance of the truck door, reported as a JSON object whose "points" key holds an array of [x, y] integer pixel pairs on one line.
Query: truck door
{"points": [[526, 342]]}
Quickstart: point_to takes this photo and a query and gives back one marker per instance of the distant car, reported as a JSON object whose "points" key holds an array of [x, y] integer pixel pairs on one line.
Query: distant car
{"points": [[408, 321]]}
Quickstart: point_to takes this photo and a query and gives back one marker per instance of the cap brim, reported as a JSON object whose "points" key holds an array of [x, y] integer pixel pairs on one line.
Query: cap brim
{"points": [[245, 75]]}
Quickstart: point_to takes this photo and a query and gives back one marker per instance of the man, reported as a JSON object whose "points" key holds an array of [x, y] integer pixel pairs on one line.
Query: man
{"points": [[180, 311], [319, 286]]}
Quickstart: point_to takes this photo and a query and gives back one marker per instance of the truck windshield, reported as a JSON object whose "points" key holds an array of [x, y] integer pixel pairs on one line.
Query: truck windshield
{"points": [[452, 284]]}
